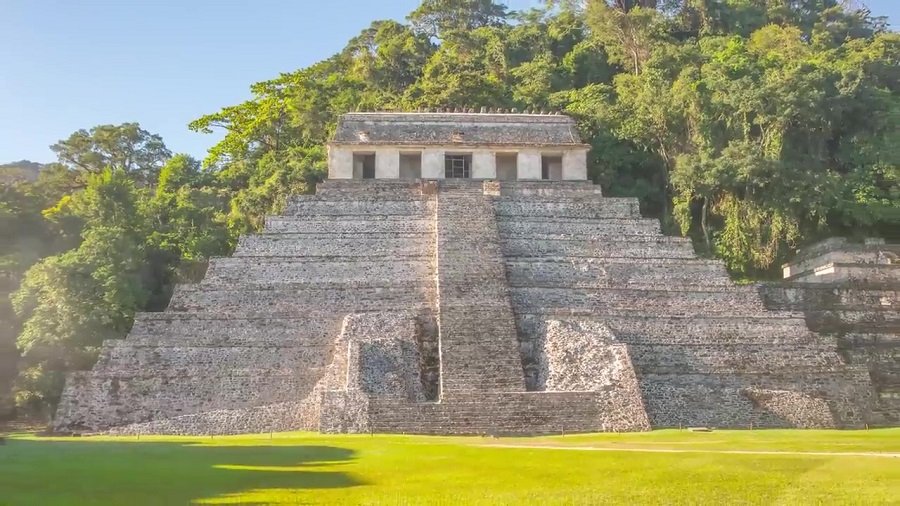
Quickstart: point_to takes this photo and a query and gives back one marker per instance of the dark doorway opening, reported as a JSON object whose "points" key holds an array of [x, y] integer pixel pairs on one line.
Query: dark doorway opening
{"points": [[410, 165], [363, 165], [551, 167]]}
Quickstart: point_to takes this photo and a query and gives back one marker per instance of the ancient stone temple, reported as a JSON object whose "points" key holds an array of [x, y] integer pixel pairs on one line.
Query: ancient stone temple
{"points": [[458, 274], [849, 291]]}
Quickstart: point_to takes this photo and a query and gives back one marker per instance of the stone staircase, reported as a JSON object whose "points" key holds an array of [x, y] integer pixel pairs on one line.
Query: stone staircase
{"points": [[478, 344]]}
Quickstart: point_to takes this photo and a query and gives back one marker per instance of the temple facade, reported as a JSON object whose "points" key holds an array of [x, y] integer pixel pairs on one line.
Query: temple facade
{"points": [[481, 146]]}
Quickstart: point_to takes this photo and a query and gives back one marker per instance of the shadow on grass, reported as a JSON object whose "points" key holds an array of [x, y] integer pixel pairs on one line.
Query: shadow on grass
{"points": [[106, 472]]}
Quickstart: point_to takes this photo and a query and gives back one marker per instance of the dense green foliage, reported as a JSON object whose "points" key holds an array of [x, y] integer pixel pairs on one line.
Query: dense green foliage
{"points": [[753, 126], [660, 467], [104, 233]]}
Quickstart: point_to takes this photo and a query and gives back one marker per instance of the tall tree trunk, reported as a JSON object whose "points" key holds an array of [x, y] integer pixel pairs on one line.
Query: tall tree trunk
{"points": [[704, 213], [666, 168]]}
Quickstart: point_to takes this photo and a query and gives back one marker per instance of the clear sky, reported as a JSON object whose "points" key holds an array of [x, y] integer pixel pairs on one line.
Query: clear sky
{"points": [[67, 64]]}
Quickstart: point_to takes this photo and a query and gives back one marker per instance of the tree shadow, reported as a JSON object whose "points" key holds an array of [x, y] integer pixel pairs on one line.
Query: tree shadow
{"points": [[151, 472]]}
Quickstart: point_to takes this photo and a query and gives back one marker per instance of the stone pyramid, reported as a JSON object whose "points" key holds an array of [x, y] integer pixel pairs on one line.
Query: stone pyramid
{"points": [[464, 307]]}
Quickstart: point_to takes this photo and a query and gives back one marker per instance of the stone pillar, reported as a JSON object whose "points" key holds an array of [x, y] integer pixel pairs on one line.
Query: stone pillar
{"points": [[340, 163], [484, 164], [433, 164], [529, 164], [387, 163], [574, 165]]}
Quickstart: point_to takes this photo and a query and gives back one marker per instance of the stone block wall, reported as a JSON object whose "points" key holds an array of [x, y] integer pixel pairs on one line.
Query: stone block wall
{"points": [[380, 360], [704, 351], [854, 300], [837, 260], [247, 348]]}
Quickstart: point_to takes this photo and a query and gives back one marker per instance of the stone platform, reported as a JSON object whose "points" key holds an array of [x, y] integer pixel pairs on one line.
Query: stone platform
{"points": [[465, 307], [850, 292]]}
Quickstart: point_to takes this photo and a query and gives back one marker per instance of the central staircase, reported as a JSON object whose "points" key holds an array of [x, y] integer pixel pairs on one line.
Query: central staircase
{"points": [[479, 350]]}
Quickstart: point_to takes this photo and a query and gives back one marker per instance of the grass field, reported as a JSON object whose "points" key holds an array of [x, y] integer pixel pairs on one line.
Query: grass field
{"points": [[662, 467]]}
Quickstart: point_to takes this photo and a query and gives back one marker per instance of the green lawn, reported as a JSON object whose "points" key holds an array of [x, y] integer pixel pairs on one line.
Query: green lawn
{"points": [[662, 467]]}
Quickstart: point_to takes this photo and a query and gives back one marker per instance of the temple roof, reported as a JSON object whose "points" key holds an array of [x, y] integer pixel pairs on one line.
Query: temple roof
{"points": [[392, 128]]}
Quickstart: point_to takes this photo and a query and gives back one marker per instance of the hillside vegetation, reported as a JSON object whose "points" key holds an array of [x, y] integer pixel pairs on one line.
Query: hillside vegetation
{"points": [[753, 126]]}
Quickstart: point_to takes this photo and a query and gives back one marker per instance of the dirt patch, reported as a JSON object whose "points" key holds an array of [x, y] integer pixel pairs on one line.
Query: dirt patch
{"points": [[691, 450]]}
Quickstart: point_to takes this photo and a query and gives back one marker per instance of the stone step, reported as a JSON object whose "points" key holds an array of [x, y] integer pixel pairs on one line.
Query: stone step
{"points": [[459, 186], [341, 225], [268, 418], [416, 284], [886, 413], [249, 317], [284, 299], [886, 339], [322, 313], [559, 313], [326, 235], [301, 246], [172, 328], [518, 227], [694, 330], [763, 358], [253, 270], [171, 369], [352, 208], [705, 301], [187, 360], [554, 189], [589, 237], [127, 398], [799, 296], [449, 193], [341, 195], [501, 413], [340, 188], [569, 208], [398, 196], [721, 400], [623, 247], [852, 319], [886, 377], [299, 339], [627, 272]]}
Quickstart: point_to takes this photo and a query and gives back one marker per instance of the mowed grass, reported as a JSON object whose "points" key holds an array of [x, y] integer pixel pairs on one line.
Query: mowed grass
{"points": [[661, 467]]}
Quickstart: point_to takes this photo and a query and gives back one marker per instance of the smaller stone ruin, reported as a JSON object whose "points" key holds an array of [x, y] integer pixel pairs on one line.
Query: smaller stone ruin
{"points": [[848, 291]]}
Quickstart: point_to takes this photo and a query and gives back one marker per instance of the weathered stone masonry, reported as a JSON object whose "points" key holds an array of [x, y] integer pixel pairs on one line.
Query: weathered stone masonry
{"points": [[849, 292], [468, 307]]}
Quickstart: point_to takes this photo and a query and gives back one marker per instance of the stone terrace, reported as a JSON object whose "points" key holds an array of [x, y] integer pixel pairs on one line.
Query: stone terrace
{"points": [[850, 292], [461, 307]]}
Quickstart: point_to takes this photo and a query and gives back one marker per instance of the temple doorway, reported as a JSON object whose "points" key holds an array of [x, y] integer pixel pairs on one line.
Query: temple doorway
{"points": [[457, 166], [363, 165]]}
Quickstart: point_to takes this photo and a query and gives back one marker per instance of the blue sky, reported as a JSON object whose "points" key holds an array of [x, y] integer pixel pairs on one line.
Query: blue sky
{"points": [[66, 65]]}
